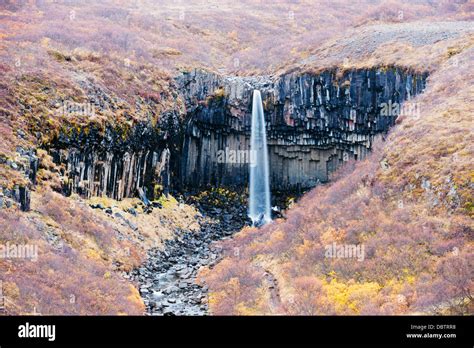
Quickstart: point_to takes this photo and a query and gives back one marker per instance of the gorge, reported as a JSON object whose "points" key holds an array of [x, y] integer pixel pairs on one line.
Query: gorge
{"points": [[132, 157], [315, 123]]}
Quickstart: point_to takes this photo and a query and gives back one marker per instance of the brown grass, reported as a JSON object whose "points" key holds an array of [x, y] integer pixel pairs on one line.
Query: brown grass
{"points": [[130, 52], [413, 215]]}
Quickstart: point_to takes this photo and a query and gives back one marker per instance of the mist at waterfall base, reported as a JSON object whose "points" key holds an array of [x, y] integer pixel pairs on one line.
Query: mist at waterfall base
{"points": [[259, 200]]}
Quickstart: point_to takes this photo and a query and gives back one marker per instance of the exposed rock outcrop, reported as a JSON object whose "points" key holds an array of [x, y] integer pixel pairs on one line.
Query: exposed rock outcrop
{"points": [[27, 165], [116, 164], [315, 122]]}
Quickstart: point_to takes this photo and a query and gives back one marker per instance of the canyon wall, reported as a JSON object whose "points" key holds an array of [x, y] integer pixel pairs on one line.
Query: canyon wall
{"points": [[114, 164], [314, 122]]}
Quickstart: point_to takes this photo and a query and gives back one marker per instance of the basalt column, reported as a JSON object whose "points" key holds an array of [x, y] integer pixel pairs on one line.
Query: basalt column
{"points": [[315, 122], [107, 163]]}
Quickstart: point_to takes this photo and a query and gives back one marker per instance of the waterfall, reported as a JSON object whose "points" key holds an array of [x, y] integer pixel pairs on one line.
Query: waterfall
{"points": [[259, 200]]}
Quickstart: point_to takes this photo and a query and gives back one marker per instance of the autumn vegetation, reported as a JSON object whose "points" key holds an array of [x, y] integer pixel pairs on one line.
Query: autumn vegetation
{"points": [[73, 273], [409, 203]]}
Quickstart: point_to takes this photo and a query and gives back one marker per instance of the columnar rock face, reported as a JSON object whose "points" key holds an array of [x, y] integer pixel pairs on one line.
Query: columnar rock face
{"points": [[27, 164], [315, 122], [114, 164]]}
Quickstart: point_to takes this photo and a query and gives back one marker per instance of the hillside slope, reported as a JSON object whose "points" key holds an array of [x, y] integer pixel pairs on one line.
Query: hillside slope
{"points": [[413, 212], [409, 205]]}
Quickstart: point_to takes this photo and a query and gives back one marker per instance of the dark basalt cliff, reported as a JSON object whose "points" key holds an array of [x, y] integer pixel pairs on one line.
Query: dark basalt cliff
{"points": [[315, 122], [118, 163]]}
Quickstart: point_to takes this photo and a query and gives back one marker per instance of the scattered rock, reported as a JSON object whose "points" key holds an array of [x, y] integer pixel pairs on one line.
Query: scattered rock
{"points": [[156, 204], [131, 225], [171, 273], [119, 216]]}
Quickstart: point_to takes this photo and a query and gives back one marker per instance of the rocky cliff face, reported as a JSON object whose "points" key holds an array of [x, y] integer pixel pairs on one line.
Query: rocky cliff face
{"points": [[315, 122], [118, 163], [19, 193]]}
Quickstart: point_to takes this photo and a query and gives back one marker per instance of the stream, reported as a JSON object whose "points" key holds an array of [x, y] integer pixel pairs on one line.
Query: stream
{"points": [[167, 280]]}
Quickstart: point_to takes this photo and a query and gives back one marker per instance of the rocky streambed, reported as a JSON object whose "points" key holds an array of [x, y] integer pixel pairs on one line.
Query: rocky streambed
{"points": [[167, 281]]}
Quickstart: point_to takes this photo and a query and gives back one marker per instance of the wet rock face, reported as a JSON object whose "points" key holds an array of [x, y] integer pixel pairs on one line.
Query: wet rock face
{"points": [[315, 122]]}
